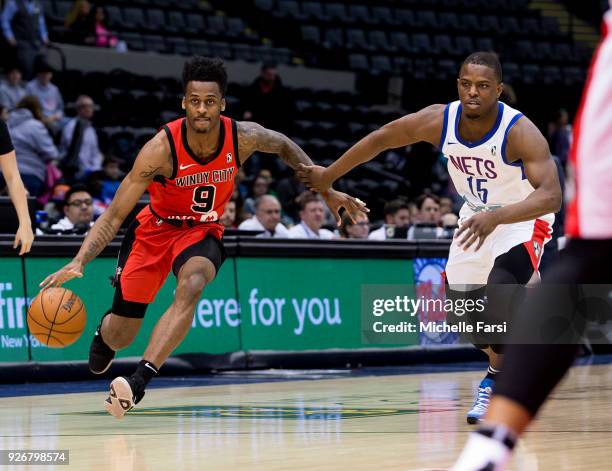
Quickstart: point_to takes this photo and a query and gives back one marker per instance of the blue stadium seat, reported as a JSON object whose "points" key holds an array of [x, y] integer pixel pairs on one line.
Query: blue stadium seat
{"points": [[360, 14], [381, 64], [427, 19], [444, 45], [510, 71], [155, 43], [379, 41], [485, 44], [221, 49], [337, 12], [465, 45], [134, 18], [551, 74], [200, 47], [216, 25], [356, 39], [176, 22], [531, 73], [178, 46], [406, 17], [358, 63], [421, 44], [314, 11], [115, 19], [311, 34], [449, 21], [156, 20], [288, 9], [265, 5], [400, 41], [384, 16], [333, 39], [195, 21]]}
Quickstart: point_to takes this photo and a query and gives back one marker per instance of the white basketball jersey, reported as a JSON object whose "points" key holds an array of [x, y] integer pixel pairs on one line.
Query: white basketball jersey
{"points": [[480, 171]]}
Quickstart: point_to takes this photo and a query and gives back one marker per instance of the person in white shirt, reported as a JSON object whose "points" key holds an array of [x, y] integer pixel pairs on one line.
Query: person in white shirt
{"points": [[78, 212], [397, 214], [312, 218], [267, 219]]}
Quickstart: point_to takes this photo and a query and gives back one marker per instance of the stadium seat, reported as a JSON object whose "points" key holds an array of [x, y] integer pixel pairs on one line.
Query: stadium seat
{"points": [[176, 23], [200, 47], [115, 19], [381, 64], [465, 45], [449, 21], [406, 18], [216, 25], [289, 9], [156, 20], [384, 16], [155, 43], [427, 20], [221, 49], [551, 74], [134, 41], [531, 73], [470, 23], [178, 46], [510, 25], [314, 11], [490, 24], [356, 40], [484, 44], [195, 21], [244, 52], [360, 14], [336, 12], [358, 63], [400, 41], [421, 44], [333, 39], [265, 5], [378, 40], [444, 44], [134, 18], [311, 34]]}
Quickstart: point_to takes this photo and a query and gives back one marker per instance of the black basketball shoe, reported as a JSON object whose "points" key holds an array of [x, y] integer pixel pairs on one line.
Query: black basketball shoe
{"points": [[100, 355]]}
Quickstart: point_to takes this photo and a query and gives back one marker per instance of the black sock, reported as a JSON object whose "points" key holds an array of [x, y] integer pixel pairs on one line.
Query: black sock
{"points": [[501, 433], [145, 372], [491, 373]]}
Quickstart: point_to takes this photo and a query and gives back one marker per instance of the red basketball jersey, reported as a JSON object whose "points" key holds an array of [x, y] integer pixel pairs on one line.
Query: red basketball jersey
{"points": [[196, 191]]}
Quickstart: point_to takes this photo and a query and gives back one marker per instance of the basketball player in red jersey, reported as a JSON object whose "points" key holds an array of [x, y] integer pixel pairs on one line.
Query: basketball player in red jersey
{"points": [[188, 169], [532, 371]]}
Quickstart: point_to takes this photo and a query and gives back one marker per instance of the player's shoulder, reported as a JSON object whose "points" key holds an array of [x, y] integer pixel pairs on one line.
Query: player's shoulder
{"points": [[156, 153], [427, 123], [525, 139]]}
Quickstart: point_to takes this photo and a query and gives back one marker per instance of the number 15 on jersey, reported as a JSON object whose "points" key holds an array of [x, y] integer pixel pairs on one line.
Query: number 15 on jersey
{"points": [[477, 188]]}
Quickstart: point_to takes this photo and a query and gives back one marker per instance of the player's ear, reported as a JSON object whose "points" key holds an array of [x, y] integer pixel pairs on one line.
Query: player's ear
{"points": [[183, 103], [500, 89], [222, 104]]}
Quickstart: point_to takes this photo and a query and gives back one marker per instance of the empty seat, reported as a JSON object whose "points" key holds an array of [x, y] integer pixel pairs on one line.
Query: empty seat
{"points": [[336, 12], [379, 41], [265, 5], [384, 16], [551, 74], [115, 19], [360, 13], [406, 17], [485, 44], [178, 46], [133, 18], [465, 45], [450, 21], [422, 44], [221, 49], [311, 34], [358, 62], [531, 73], [333, 39], [134, 41], [156, 20], [176, 22], [288, 9], [216, 25], [510, 71], [356, 39], [427, 19], [244, 52], [195, 21], [444, 44], [381, 64], [400, 41], [510, 25], [155, 43], [200, 47], [314, 11]]}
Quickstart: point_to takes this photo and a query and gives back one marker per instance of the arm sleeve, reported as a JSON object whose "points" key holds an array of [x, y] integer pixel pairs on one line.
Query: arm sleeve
{"points": [[6, 145]]}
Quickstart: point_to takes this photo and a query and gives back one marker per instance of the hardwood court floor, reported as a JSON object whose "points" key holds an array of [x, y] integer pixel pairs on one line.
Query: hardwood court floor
{"points": [[398, 422]]}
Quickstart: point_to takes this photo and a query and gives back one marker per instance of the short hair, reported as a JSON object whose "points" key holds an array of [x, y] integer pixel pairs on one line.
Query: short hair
{"points": [[488, 59], [392, 207], [260, 199], [77, 187], [307, 197], [424, 197], [204, 69]]}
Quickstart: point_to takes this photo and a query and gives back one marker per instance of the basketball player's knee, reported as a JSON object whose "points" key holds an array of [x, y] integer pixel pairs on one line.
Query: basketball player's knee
{"points": [[190, 287]]}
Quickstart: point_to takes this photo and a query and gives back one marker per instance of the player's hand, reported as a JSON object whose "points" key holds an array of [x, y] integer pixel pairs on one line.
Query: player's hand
{"points": [[314, 177], [336, 200], [477, 228], [73, 270], [24, 237]]}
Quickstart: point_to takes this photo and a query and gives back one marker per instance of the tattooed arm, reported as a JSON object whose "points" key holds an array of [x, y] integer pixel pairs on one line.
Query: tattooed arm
{"points": [[154, 159], [254, 137]]}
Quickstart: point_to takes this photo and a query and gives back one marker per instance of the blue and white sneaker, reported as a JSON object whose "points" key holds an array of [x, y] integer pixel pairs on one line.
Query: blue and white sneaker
{"points": [[479, 409]]}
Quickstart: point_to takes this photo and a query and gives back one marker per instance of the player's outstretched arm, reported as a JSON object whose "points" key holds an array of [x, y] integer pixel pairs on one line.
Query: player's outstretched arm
{"points": [[154, 159], [424, 125], [525, 142], [253, 137], [17, 192]]}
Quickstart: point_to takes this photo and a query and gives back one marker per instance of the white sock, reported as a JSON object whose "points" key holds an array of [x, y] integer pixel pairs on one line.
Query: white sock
{"points": [[488, 449]]}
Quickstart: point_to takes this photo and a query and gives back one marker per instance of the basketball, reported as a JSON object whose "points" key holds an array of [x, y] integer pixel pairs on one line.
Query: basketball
{"points": [[57, 317]]}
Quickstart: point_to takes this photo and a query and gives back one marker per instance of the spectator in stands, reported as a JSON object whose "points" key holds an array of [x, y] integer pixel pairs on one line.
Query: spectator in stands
{"points": [[49, 96], [4, 114], [229, 215], [103, 35], [78, 23], [261, 186], [397, 215], [12, 90], [428, 220], [79, 143], [268, 101], [78, 211], [429, 209], [24, 28], [287, 190], [267, 218], [560, 136], [312, 217], [446, 205], [33, 144], [355, 230]]}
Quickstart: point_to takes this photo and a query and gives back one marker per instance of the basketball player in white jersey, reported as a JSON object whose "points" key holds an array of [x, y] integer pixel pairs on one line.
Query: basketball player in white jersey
{"points": [[500, 164], [532, 371]]}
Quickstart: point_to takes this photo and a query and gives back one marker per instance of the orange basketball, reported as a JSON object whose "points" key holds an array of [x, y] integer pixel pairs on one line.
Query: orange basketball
{"points": [[57, 317]]}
